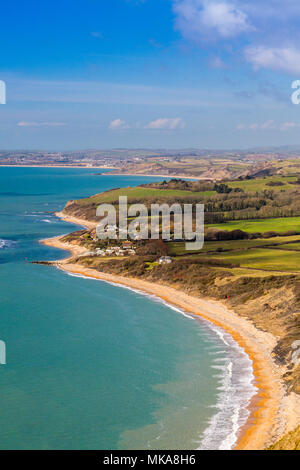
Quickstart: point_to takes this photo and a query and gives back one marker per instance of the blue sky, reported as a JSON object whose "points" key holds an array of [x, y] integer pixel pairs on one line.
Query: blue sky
{"points": [[149, 73]]}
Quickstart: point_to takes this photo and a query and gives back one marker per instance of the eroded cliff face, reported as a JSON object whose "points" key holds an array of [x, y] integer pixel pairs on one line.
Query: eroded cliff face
{"points": [[278, 312], [272, 303], [290, 441]]}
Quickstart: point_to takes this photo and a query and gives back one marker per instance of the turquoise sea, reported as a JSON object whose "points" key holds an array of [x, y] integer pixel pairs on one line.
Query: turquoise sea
{"points": [[96, 366]]}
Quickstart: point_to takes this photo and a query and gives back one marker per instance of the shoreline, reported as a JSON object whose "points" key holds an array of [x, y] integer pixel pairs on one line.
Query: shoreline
{"points": [[189, 177], [60, 166], [269, 409]]}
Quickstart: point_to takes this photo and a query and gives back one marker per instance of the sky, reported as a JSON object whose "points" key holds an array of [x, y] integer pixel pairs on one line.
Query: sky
{"points": [[149, 74]]}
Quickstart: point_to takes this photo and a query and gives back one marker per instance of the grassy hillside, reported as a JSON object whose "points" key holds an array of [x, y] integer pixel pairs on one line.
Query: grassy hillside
{"points": [[277, 183], [266, 259], [142, 194], [262, 225]]}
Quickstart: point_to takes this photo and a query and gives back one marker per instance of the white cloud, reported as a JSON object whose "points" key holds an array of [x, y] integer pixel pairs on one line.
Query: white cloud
{"points": [[118, 124], [271, 29], [160, 123], [166, 123], [198, 19], [286, 59], [286, 126], [268, 125], [40, 124]]}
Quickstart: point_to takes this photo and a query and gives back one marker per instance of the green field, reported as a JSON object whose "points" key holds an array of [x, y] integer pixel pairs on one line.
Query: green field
{"points": [[260, 184], [141, 194], [291, 246], [273, 254], [279, 225], [266, 259], [178, 248]]}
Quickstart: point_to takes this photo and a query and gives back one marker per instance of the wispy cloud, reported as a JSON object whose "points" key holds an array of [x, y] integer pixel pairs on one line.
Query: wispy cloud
{"points": [[118, 124], [40, 124], [226, 21], [270, 125], [203, 19], [166, 123], [157, 124], [286, 126], [115, 93], [286, 59], [217, 63]]}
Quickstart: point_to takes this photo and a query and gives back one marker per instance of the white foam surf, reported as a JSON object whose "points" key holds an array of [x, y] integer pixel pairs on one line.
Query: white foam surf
{"points": [[6, 244], [235, 393]]}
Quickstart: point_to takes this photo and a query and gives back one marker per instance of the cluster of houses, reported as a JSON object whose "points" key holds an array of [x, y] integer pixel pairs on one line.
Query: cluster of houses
{"points": [[124, 250]]}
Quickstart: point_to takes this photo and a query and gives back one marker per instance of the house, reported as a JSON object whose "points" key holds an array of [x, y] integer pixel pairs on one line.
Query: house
{"points": [[164, 260], [126, 245], [100, 252], [88, 253]]}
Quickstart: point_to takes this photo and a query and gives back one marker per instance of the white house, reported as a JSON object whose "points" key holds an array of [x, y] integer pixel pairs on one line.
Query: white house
{"points": [[165, 260], [100, 252]]}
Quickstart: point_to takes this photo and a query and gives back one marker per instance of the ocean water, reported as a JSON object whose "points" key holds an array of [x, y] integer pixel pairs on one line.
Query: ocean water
{"points": [[96, 366]]}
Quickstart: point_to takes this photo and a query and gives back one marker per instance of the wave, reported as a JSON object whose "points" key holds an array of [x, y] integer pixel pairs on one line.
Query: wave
{"points": [[6, 244], [235, 393], [37, 217], [236, 376]]}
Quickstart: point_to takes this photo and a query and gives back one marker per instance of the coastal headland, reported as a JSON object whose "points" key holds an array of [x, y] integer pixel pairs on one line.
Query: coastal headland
{"points": [[245, 279], [273, 412]]}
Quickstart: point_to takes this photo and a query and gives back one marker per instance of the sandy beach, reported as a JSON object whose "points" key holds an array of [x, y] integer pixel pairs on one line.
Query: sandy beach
{"points": [[272, 412], [185, 177]]}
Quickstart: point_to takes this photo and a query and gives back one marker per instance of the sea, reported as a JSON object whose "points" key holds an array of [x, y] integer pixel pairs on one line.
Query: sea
{"points": [[90, 365]]}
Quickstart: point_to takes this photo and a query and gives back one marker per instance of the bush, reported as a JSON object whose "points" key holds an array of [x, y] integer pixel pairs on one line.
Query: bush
{"points": [[270, 234]]}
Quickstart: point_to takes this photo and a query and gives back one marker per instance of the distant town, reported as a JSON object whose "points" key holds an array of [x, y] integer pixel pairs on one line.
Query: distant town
{"points": [[193, 163]]}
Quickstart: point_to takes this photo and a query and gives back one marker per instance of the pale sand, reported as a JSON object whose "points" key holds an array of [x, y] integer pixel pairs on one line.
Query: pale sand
{"points": [[186, 177], [273, 413], [76, 220]]}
